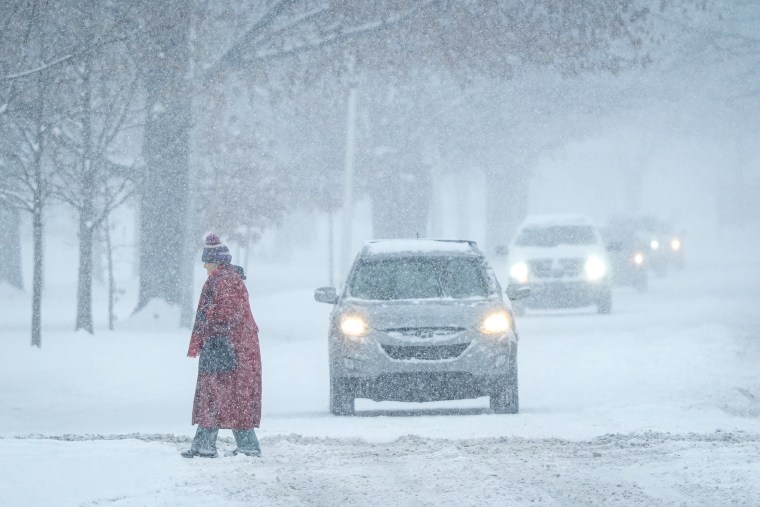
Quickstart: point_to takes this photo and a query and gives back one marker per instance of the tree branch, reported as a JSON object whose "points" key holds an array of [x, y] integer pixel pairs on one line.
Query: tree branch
{"points": [[234, 53], [331, 39]]}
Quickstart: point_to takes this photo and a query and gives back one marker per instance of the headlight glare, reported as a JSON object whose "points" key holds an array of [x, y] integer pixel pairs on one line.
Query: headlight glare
{"points": [[638, 258], [654, 244], [675, 244], [353, 326], [519, 272], [496, 323], [595, 268]]}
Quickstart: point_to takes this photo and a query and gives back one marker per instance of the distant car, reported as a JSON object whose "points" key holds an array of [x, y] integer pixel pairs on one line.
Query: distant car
{"points": [[628, 253], [563, 259], [665, 246], [421, 320]]}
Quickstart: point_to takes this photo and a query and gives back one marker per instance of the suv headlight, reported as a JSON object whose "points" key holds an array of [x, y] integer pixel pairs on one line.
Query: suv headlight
{"points": [[496, 323], [519, 272], [595, 268], [353, 326]]}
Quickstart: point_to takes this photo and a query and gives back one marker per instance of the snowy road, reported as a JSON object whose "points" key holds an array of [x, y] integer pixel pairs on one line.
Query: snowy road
{"points": [[656, 404], [640, 469]]}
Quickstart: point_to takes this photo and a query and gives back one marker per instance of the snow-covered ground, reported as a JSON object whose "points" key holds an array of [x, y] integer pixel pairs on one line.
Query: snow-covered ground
{"points": [[655, 404]]}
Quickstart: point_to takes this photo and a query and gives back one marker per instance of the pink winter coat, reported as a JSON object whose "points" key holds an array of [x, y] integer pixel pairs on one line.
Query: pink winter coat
{"points": [[227, 400]]}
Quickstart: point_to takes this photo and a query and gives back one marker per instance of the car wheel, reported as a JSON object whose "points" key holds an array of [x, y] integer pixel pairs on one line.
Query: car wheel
{"points": [[506, 399], [341, 396], [604, 303]]}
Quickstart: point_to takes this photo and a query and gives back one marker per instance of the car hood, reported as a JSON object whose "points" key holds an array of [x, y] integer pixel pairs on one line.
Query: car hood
{"points": [[388, 316]]}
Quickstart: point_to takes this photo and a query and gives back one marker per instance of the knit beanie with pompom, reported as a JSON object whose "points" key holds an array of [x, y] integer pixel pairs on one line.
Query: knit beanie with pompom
{"points": [[215, 251]]}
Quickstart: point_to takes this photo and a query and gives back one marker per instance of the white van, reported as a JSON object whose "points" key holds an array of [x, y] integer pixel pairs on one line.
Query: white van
{"points": [[563, 259]]}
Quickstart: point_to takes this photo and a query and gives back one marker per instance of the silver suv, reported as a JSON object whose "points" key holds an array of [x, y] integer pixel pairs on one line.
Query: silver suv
{"points": [[563, 259], [421, 320]]}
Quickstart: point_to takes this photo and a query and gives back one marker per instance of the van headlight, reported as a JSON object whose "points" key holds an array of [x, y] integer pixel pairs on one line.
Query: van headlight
{"points": [[595, 268], [519, 272], [353, 326], [496, 323]]}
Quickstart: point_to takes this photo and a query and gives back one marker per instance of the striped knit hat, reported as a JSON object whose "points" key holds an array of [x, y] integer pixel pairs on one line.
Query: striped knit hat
{"points": [[215, 251]]}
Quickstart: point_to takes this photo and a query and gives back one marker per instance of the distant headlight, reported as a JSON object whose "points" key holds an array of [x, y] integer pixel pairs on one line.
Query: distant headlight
{"points": [[519, 271], [595, 268], [654, 244], [496, 323], [353, 326], [638, 258], [675, 244]]}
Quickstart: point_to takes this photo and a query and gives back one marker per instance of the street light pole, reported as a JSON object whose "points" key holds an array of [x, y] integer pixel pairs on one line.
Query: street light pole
{"points": [[348, 182]]}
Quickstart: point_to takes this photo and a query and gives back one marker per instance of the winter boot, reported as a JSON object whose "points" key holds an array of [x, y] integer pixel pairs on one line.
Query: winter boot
{"points": [[193, 453]]}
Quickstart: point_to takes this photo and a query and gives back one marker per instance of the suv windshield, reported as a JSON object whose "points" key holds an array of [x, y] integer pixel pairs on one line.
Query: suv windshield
{"points": [[556, 235], [419, 278]]}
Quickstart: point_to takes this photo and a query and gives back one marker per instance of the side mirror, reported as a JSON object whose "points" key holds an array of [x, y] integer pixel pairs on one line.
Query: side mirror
{"points": [[501, 250], [515, 292], [326, 295]]}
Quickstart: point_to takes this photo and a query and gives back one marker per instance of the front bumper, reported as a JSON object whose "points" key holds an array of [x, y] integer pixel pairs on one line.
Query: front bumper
{"points": [[467, 365]]}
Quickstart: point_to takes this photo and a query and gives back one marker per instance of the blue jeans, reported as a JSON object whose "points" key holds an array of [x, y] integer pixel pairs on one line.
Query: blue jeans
{"points": [[205, 441]]}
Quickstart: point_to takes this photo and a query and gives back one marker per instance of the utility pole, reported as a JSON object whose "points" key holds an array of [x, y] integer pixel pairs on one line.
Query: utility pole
{"points": [[348, 182]]}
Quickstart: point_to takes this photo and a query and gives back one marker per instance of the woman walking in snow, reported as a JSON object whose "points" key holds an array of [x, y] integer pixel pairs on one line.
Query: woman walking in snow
{"points": [[225, 336]]}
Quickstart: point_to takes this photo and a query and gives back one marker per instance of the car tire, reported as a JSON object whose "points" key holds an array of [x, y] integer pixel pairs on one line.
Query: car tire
{"points": [[604, 303], [506, 399], [341, 396]]}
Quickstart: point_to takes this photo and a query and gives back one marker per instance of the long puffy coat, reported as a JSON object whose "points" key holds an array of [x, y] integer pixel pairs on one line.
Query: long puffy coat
{"points": [[228, 400]]}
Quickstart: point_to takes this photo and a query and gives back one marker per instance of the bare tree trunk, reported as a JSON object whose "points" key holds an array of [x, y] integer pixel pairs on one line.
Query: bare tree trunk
{"points": [[460, 204], [84, 292], [37, 278], [111, 280], [401, 201], [86, 212], [39, 197], [506, 204], [165, 270], [10, 247]]}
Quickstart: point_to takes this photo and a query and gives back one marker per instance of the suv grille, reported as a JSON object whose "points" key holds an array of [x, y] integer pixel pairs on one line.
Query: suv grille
{"points": [[425, 352], [425, 332], [558, 268]]}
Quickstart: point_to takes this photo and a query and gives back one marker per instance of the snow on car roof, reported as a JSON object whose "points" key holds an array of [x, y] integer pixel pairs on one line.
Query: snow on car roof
{"points": [[391, 246], [557, 219]]}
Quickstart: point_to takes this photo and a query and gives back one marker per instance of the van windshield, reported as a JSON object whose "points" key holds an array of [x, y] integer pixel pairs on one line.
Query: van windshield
{"points": [[419, 278], [550, 236]]}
